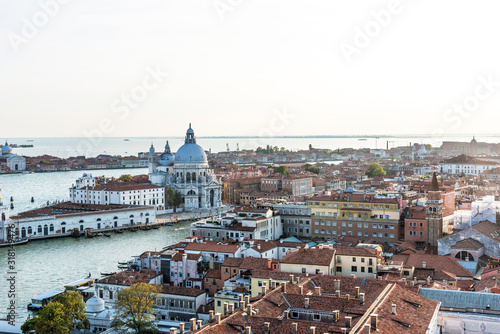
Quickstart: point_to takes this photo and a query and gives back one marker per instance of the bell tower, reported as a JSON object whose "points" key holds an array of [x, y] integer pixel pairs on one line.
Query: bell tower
{"points": [[434, 214]]}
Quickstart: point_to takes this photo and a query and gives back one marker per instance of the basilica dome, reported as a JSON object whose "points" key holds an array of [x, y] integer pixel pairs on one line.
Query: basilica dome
{"points": [[190, 151], [6, 149], [166, 158]]}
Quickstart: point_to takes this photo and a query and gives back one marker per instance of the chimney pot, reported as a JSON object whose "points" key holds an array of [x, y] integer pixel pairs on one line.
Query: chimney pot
{"points": [[338, 293], [301, 289], [286, 314], [181, 327], [211, 315], [173, 330], [294, 328], [318, 290], [283, 287], [226, 308], [394, 309], [348, 322], [242, 306], [249, 309], [367, 328], [192, 323], [231, 308], [248, 330], [336, 314], [357, 292], [266, 326], [200, 324], [247, 299], [313, 330], [291, 278], [306, 302], [362, 298], [217, 318], [374, 320], [337, 284]]}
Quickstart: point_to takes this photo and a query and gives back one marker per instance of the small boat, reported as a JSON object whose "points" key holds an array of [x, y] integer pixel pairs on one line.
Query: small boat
{"points": [[108, 274], [119, 231], [123, 263], [15, 243], [75, 233], [98, 234], [107, 234], [90, 235], [169, 224], [126, 139], [133, 230], [155, 227], [146, 228], [40, 301], [123, 267]]}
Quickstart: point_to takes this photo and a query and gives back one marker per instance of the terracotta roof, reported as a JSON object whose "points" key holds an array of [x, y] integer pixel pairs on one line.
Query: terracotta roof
{"points": [[181, 291], [436, 263], [192, 257], [128, 277], [317, 256], [211, 246], [468, 243]]}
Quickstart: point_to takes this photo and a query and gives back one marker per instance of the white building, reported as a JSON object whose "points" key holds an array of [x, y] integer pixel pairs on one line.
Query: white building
{"points": [[187, 172], [13, 161], [239, 224], [4, 219], [64, 218], [464, 164], [87, 190], [482, 209]]}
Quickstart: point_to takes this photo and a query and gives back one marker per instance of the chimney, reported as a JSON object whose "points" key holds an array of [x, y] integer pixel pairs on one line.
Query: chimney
{"points": [[241, 298], [210, 315], [217, 318], [181, 328], [362, 298], [226, 307], [247, 299], [313, 330], [286, 314], [424, 264], [294, 328], [301, 289], [291, 278], [348, 297], [306, 302], [348, 322], [266, 327], [270, 284], [248, 330], [173, 330], [344, 330], [317, 290], [394, 309], [231, 308], [249, 309], [283, 287], [337, 284], [374, 320], [337, 292], [192, 323], [336, 315], [264, 290], [367, 328], [357, 292], [200, 324]]}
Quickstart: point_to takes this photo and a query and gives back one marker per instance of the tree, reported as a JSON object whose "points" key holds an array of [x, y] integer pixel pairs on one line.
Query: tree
{"points": [[311, 168], [134, 308], [281, 169], [173, 198], [61, 315], [375, 170], [125, 177], [74, 309]]}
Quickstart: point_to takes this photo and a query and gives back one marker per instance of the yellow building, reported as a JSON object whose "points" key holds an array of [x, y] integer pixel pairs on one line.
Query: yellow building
{"points": [[369, 217]]}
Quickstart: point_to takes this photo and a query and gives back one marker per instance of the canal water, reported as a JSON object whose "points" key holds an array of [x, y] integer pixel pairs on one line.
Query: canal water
{"points": [[43, 265]]}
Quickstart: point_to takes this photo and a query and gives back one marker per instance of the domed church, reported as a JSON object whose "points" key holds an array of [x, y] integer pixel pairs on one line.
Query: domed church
{"points": [[14, 162], [186, 171]]}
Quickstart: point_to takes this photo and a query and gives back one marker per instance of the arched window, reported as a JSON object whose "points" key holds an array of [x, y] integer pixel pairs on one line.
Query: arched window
{"points": [[464, 255], [98, 219], [51, 228], [39, 229], [194, 177], [30, 231]]}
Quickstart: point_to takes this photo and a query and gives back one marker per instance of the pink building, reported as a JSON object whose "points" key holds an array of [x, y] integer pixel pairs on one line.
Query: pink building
{"points": [[184, 266]]}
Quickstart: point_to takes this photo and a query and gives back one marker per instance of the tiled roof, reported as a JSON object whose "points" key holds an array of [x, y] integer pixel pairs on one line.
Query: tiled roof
{"points": [[317, 256], [211, 246], [128, 277], [468, 243], [181, 291], [433, 262]]}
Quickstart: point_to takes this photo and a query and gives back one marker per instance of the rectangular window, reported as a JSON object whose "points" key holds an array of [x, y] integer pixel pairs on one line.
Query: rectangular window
{"points": [[354, 269]]}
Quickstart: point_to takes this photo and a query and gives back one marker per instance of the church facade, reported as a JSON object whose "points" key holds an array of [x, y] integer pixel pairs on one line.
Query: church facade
{"points": [[188, 172], [13, 162]]}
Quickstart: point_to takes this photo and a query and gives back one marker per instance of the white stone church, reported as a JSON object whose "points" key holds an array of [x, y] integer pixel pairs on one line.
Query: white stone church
{"points": [[186, 171]]}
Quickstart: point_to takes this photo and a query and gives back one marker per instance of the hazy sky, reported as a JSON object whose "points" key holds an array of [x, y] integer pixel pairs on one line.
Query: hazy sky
{"points": [[238, 67]]}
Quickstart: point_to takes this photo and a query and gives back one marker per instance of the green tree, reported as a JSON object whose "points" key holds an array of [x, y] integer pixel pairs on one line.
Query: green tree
{"points": [[61, 315], [125, 177], [52, 319], [173, 198], [134, 308], [375, 170], [281, 169], [311, 168], [74, 309]]}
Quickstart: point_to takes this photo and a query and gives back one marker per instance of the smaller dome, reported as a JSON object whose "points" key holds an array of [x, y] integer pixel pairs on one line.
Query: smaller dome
{"points": [[166, 159], [94, 305], [6, 149], [152, 149], [473, 141]]}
